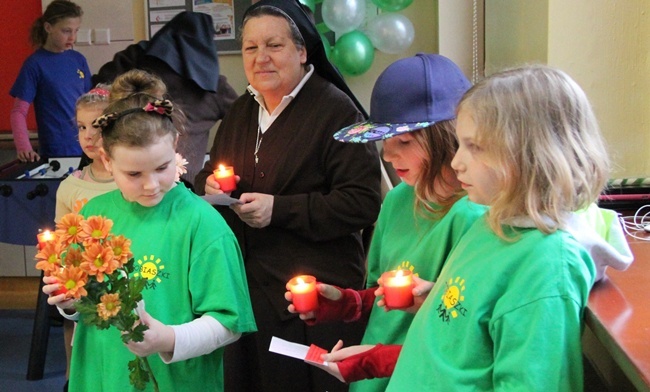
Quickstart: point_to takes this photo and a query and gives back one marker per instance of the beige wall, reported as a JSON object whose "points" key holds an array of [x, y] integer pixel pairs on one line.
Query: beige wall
{"points": [[516, 32], [604, 45]]}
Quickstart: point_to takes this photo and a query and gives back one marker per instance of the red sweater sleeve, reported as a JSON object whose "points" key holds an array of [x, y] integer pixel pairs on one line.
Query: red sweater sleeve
{"points": [[351, 307], [378, 362]]}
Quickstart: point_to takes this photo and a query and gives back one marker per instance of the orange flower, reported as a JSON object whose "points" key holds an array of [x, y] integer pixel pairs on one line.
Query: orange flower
{"points": [[109, 306], [95, 229], [49, 258], [121, 248], [99, 260], [73, 257], [73, 280], [68, 229]]}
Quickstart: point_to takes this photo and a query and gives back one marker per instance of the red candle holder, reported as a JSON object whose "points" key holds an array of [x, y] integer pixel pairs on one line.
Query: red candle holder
{"points": [[398, 288], [304, 293], [43, 238], [225, 176]]}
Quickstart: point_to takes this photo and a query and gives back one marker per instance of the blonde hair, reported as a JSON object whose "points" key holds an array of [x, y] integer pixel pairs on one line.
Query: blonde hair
{"points": [[439, 143], [542, 138], [137, 81]]}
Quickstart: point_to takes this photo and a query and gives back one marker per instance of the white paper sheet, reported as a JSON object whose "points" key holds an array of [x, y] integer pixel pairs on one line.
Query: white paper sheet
{"points": [[290, 349], [221, 199]]}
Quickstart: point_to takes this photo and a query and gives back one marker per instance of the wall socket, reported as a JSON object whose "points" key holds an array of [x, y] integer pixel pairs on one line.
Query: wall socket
{"points": [[83, 37], [102, 36]]}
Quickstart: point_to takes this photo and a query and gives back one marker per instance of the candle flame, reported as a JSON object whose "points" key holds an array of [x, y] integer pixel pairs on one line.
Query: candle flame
{"points": [[222, 168], [47, 235], [300, 281], [399, 273]]}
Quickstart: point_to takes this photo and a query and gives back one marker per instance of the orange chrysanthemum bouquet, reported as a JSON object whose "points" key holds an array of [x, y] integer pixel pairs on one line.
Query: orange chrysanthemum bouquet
{"points": [[94, 267]]}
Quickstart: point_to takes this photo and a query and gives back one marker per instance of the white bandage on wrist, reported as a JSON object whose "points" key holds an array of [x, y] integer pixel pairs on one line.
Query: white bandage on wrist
{"points": [[198, 337]]}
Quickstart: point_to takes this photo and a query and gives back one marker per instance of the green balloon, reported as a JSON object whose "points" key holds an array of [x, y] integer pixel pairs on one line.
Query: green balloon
{"points": [[353, 53], [392, 5], [309, 3], [326, 44]]}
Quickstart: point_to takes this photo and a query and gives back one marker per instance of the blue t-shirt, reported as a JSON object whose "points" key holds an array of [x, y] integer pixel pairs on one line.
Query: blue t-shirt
{"points": [[54, 82]]}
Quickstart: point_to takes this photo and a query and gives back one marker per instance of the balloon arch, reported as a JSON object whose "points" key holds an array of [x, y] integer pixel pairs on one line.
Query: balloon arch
{"points": [[354, 49]]}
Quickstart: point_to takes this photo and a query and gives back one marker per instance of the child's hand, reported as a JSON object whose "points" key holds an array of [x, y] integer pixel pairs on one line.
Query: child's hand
{"points": [[28, 156], [52, 285], [324, 290], [420, 293], [338, 354], [159, 338]]}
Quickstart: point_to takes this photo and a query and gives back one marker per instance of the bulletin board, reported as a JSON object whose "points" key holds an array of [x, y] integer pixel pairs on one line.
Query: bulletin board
{"points": [[226, 15]]}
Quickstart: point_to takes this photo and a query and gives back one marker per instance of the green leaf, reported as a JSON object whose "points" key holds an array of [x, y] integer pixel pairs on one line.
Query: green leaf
{"points": [[138, 375]]}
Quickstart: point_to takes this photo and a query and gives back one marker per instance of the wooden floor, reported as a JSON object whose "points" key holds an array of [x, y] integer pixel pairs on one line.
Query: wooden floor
{"points": [[18, 293]]}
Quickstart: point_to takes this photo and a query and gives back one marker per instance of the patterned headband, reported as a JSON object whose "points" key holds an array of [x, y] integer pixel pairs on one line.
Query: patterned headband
{"points": [[163, 107], [99, 91]]}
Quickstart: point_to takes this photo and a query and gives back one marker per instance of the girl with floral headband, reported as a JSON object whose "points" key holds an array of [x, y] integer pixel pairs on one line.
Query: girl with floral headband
{"points": [[196, 295]]}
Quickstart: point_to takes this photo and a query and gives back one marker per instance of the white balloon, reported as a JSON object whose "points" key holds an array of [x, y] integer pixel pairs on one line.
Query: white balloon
{"points": [[391, 33], [343, 16]]}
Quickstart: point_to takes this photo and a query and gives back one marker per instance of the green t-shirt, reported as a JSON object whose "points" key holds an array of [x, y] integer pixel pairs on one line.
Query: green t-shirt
{"points": [[503, 316], [408, 240], [194, 267]]}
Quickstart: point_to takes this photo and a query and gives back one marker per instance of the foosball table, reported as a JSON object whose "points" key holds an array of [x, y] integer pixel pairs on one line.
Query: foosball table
{"points": [[28, 197]]}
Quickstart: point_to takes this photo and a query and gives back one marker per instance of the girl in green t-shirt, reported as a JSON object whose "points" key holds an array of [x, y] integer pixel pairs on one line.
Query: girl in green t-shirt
{"points": [[413, 112], [196, 294]]}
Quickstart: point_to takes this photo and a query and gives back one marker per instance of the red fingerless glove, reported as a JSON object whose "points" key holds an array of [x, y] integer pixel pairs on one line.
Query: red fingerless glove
{"points": [[378, 362], [350, 307]]}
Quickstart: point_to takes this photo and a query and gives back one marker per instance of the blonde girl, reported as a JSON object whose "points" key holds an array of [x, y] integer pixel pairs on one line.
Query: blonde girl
{"points": [[506, 312], [82, 185]]}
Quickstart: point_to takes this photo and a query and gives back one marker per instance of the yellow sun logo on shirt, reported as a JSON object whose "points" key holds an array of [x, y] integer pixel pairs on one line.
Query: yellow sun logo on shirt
{"points": [[81, 74], [150, 268], [453, 295], [451, 305], [406, 265]]}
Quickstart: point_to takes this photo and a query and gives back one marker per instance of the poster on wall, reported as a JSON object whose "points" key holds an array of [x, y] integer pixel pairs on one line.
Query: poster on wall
{"points": [[223, 16], [166, 3], [226, 16]]}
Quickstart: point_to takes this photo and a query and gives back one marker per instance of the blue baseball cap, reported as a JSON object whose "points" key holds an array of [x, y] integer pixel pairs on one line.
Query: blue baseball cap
{"points": [[411, 94]]}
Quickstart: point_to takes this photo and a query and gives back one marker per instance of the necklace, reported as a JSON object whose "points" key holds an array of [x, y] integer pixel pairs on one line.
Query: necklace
{"points": [[98, 180], [258, 142]]}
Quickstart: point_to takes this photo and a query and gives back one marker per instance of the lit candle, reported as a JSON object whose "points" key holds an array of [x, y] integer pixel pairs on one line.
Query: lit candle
{"points": [[225, 176], [304, 293], [43, 238], [398, 289]]}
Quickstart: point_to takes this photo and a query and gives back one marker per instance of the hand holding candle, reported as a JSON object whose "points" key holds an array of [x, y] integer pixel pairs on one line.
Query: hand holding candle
{"points": [[398, 289], [225, 176], [304, 293]]}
